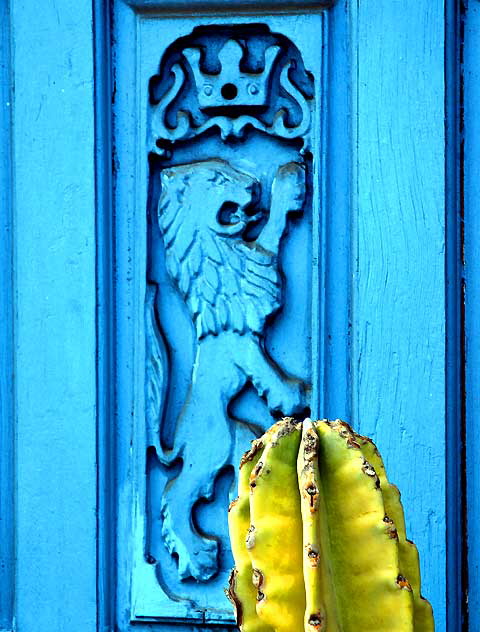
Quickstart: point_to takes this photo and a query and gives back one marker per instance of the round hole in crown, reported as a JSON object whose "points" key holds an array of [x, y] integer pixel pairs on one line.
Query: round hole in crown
{"points": [[229, 91]]}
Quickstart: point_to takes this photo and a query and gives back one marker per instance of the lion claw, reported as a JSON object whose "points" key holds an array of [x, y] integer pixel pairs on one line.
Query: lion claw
{"points": [[290, 401], [201, 564]]}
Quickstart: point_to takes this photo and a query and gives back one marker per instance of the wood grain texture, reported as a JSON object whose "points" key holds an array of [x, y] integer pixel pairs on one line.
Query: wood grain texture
{"points": [[472, 301], [47, 310], [398, 321], [54, 218], [7, 411]]}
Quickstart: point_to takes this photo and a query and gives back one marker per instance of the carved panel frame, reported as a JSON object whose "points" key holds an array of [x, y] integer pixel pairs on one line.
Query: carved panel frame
{"points": [[137, 582]]}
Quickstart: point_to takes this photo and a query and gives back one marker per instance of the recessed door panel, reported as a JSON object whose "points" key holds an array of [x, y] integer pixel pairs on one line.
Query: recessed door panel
{"points": [[219, 205]]}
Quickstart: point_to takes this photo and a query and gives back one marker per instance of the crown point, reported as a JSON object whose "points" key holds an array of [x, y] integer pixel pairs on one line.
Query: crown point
{"points": [[270, 55], [192, 55], [230, 55], [231, 86]]}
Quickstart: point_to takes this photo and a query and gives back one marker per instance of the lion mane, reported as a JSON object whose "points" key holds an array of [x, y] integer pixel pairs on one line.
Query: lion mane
{"points": [[227, 283]]}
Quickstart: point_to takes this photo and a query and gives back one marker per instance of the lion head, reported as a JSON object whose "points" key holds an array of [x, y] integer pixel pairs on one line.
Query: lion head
{"points": [[227, 283]]}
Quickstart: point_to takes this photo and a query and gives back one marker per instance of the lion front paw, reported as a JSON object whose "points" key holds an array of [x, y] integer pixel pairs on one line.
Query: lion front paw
{"points": [[290, 186], [289, 400], [200, 563]]}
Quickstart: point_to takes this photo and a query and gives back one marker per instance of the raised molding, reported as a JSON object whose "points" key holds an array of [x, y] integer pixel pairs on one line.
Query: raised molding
{"points": [[7, 411], [105, 319], [195, 7]]}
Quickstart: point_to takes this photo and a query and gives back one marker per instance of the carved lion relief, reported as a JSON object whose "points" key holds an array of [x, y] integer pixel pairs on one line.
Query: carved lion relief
{"points": [[230, 117]]}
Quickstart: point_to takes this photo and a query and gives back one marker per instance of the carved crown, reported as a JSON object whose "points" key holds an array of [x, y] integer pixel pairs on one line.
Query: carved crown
{"points": [[231, 86]]}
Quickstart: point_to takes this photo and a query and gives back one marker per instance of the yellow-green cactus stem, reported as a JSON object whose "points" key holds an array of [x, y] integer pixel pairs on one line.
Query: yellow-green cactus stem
{"points": [[241, 591], [407, 551], [322, 538]]}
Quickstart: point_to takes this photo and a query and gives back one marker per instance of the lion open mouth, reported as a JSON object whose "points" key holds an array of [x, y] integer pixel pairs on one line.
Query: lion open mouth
{"points": [[238, 217]]}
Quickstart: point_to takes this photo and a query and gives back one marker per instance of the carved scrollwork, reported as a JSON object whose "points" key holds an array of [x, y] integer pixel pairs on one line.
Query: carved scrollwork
{"points": [[254, 80]]}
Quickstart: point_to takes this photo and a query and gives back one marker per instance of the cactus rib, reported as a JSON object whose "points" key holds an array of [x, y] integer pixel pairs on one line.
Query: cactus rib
{"points": [[317, 571], [241, 591], [276, 520]]}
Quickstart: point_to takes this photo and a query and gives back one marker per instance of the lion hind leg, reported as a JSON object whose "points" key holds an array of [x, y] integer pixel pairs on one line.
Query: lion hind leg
{"points": [[202, 462], [197, 556]]}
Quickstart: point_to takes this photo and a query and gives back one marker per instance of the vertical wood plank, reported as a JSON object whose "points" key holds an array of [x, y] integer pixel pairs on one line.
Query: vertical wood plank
{"points": [[337, 179], [472, 301], [6, 330], [398, 328], [54, 236]]}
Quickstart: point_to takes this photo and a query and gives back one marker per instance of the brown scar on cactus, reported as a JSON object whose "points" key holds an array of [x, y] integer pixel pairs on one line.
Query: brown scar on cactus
{"points": [[403, 583], [312, 555], [258, 581], [249, 455], [260, 596], [233, 598], [257, 578], [369, 470], [250, 539], [316, 622], [345, 431], [390, 528], [320, 495], [232, 504]]}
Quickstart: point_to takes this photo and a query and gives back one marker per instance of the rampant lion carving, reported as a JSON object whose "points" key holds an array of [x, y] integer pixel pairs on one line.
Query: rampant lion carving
{"points": [[230, 287]]}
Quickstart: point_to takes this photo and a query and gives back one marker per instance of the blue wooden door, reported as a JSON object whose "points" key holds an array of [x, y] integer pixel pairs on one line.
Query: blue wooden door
{"points": [[215, 214]]}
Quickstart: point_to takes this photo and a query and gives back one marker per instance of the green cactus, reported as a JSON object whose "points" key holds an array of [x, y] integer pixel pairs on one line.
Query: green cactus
{"points": [[318, 537]]}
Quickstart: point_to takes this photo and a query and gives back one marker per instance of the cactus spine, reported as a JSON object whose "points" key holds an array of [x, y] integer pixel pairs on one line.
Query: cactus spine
{"points": [[318, 537]]}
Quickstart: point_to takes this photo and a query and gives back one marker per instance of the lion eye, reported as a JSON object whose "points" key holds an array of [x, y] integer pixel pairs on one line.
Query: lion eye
{"points": [[227, 214], [218, 178]]}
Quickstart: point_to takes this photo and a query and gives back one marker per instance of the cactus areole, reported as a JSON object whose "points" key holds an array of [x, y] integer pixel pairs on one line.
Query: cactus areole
{"points": [[318, 537]]}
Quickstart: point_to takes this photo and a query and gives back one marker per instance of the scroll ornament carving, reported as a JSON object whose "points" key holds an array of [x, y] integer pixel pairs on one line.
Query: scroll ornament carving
{"points": [[234, 89], [231, 285]]}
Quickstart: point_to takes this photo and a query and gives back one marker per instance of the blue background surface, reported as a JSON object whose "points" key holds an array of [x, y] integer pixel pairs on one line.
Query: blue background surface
{"points": [[392, 341]]}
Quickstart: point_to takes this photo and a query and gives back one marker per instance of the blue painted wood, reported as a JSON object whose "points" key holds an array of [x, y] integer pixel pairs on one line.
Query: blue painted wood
{"points": [[55, 297], [387, 182], [105, 319], [399, 241], [7, 412], [472, 301], [398, 238]]}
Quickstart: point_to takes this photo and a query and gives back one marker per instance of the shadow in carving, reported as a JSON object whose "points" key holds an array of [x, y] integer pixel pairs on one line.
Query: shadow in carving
{"points": [[231, 111]]}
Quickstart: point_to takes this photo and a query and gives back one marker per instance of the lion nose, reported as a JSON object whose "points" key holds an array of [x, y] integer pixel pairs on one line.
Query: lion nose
{"points": [[255, 190]]}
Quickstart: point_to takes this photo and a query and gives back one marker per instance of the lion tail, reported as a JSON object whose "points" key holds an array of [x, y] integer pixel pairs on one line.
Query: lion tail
{"points": [[156, 379]]}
